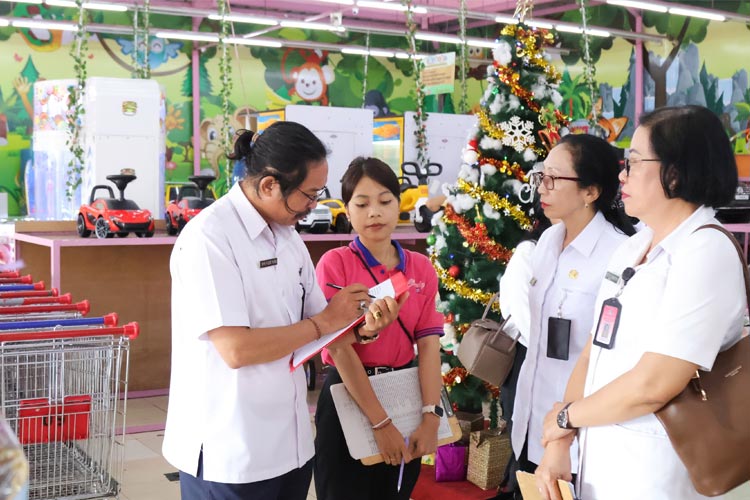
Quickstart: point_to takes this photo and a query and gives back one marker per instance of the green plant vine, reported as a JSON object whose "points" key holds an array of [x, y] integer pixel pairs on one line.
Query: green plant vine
{"points": [[225, 75], [364, 71], [419, 116], [78, 52], [141, 33], [463, 63], [589, 70]]}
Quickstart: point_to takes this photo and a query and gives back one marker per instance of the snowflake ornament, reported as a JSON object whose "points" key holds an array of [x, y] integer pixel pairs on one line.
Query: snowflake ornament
{"points": [[518, 134]]}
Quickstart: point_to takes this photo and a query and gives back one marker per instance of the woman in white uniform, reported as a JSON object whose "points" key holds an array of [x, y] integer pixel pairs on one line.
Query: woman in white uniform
{"points": [[579, 187], [682, 301]]}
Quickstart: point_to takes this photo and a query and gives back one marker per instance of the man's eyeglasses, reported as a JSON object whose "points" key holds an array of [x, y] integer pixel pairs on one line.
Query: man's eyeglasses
{"points": [[539, 178], [627, 162], [315, 197]]}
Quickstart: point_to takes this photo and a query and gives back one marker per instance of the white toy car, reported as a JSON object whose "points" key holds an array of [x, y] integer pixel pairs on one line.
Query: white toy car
{"points": [[318, 221]]}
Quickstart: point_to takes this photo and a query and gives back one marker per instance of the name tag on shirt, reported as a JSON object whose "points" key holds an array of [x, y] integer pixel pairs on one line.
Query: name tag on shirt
{"points": [[614, 278], [609, 320], [268, 262]]}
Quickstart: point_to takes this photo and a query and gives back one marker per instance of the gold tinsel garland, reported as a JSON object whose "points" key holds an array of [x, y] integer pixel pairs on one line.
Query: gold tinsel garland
{"points": [[489, 127], [528, 39], [460, 287], [496, 202]]}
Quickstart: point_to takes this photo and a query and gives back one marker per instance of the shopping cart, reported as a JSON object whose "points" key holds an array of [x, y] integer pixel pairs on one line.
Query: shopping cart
{"points": [[64, 394], [44, 311], [52, 292]]}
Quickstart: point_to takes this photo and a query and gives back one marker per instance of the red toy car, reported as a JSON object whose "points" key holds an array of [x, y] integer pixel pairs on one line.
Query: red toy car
{"points": [[111, 216], [189, 202]]}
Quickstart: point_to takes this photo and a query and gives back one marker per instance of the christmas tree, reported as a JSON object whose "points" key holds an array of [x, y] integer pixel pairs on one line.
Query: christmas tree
{"points": [[487, 209]]}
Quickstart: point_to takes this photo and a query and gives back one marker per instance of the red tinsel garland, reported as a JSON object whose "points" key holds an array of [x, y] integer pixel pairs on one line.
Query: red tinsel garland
{"points": [[476, 236], [505, 167]]}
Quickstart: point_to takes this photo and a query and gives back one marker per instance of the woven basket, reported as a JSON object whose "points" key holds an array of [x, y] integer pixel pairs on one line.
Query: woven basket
{"points": [[489, 453]]}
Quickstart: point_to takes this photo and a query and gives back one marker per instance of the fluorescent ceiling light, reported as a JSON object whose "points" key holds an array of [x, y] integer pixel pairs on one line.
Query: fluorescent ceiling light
{"points": [[601, 33], [4, 22], [238, 18], [43, 25], [697, 13], [506, 20], [312, 26], [539, 24], [568, 29], [635, 4], [339, 2], [381, 53], [437, 37], [402, 55], [253, 41], [354, 51], [487, 44], [188, 35], [88, 5], [370, 4], [22, 1]]}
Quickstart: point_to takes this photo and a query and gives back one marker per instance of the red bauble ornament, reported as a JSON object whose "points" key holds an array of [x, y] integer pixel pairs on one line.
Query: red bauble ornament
{"points": [[454, 271], [449, 318], [473, 143]]}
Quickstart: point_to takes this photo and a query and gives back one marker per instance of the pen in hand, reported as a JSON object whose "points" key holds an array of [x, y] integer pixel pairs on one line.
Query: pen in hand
{"points": [[339, 287], [401, 469]]}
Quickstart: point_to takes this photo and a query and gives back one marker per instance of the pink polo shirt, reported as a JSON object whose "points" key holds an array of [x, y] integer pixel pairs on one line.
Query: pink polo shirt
{"points": [[343, 267]]}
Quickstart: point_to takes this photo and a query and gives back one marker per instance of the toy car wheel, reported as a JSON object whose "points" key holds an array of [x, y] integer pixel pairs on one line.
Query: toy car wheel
{"points": [[342, 226], [139, 234], [101, 229], [83, 232], [171, 229], [123, 235], [148, 234]]}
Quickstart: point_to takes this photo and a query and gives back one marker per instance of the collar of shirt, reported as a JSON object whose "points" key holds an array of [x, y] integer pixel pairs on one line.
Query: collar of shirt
{"points": [[357, 246], [252, 220], [585, 242], [673, 241]]}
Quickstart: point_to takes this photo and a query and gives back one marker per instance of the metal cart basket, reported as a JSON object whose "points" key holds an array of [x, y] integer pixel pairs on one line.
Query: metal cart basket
{"points": [[64, 394]]}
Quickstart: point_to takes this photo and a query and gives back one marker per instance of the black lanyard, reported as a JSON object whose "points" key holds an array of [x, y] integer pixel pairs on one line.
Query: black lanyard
{"points": [[362, 260]]}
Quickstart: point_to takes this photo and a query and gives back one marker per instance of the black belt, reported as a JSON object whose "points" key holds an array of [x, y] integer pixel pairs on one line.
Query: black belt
{"points": [[377, 370]]}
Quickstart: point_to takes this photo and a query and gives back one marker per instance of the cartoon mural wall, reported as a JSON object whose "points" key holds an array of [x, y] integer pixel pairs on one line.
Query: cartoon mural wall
{"points": [[710, 68]]}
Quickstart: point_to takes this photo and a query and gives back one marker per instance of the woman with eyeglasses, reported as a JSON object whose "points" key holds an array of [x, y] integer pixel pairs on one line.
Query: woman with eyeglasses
{"points": [[681, 301], [579, 187], [370, 191]]}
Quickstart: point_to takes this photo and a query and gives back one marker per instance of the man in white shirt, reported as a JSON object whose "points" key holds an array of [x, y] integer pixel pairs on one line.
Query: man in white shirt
{"points": [[244, 297]]}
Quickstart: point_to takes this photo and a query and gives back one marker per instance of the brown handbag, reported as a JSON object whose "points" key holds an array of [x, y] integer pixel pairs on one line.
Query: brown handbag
{"points": [[708, 423], [486, 351]]}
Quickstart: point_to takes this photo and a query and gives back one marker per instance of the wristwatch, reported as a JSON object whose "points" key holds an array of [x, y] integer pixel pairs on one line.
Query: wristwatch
{"points": [[364, 340], [562, 418], [434, 409]]}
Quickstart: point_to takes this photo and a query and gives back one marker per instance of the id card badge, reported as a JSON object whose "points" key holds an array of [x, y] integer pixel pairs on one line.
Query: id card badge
{"points": [[558, 338], [609, 320]]}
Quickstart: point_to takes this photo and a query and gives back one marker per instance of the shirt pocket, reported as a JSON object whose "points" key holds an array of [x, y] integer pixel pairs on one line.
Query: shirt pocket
{"points": [[578, 306]]}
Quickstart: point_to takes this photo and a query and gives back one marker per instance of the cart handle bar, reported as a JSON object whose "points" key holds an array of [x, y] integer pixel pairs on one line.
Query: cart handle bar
{"points": [[83, 306], [52, 292], [18, 280], [10, 274], [131, 330]]}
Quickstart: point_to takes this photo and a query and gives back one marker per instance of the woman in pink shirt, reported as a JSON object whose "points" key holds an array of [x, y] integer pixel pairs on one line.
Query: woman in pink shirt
{"points": [[370, 191]]}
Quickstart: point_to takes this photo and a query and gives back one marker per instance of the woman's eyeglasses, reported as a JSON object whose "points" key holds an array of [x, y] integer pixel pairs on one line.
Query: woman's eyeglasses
{"points": [[627, 162], [540, 178]]}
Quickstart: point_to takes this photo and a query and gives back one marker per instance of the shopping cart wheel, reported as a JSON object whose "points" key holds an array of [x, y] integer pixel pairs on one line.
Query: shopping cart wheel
{"points": [[310, 374]]}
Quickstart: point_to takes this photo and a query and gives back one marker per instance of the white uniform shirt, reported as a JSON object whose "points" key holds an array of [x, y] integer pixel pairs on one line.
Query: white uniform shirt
{"points": [[252, 423], [565, 281], [686, 301], [514, 291]]}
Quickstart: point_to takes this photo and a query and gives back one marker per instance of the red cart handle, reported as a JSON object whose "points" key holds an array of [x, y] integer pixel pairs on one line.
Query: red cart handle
{"points": [[16, 280], [111, 319], [39, 285], [10, 274], [84, 307], [29, 293], [131, 330]]}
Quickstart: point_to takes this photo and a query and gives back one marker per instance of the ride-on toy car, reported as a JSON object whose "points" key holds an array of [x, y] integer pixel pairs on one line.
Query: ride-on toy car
{"points": [[109, 216], [412, 195], [339, 223], [189, 202]]}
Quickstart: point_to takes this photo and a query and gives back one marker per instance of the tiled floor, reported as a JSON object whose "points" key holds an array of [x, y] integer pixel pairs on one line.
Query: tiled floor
{"points": [[145, 467]]}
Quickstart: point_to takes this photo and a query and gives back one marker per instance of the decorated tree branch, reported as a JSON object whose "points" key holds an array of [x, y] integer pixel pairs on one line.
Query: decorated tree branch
{"points": [[79, 53], [487, 209]]}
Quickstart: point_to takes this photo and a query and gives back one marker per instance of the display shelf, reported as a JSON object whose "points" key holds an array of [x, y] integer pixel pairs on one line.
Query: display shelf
{"points": [[130, 276]]}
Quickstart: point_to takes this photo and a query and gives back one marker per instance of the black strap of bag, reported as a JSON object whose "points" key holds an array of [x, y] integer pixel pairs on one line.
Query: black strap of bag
{"points": [[362, 260]]}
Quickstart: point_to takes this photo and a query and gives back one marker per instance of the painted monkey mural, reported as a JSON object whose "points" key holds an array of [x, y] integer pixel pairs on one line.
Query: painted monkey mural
{"points": [[310, 79]]}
